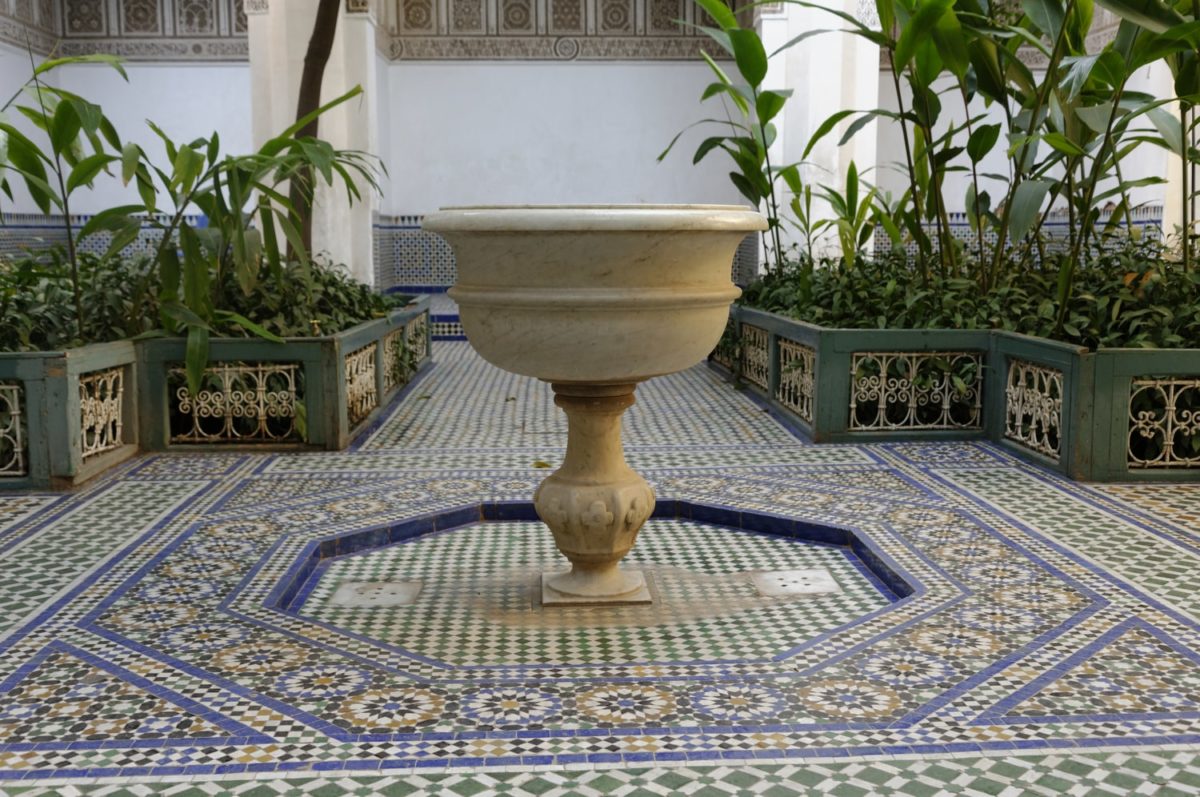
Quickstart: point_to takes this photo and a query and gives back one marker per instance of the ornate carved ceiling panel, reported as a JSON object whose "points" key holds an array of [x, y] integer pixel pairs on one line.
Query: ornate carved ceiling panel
{"points": [[190, 30], [539, 29], [29, 21], [559, 30]]}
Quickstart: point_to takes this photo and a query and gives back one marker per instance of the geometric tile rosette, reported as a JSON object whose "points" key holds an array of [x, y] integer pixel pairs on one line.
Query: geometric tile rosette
{"points": [[1015, 640]]}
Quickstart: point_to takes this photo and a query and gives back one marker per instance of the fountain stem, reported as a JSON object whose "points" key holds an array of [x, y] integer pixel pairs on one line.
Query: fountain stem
{"points": [[595, 504]]}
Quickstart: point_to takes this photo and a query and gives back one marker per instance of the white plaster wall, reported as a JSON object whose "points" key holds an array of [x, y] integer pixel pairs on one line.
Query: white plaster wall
{"points": [[495, 133], [186, 101], [891, 177], [15, 69]]}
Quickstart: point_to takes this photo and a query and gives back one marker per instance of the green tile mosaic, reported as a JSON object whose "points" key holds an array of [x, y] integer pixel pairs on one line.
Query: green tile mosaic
{"points": [[1047, 618], [480, 598]]}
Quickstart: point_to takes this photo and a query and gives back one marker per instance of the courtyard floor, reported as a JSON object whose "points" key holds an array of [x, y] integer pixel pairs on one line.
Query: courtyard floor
{"points": [[173, 627]]}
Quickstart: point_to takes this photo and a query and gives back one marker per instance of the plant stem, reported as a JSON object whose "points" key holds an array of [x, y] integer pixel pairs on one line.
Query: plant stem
{"points": [[772, 202], [1187, 204], [1071, 232], [1124, 197], [1097, 170], [946, 246], [908, 157], [985, 280], [72, 258], [1040, 98]]}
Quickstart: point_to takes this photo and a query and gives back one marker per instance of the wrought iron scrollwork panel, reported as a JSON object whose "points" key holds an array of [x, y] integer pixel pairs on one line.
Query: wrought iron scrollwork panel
{"points": [[755, 354], [13, 457], [101, 404], [1033, 399], [403, 349], [1164, 423], [797, 378], [361, 394], [893, 391], [238, 403], [416, 333]]}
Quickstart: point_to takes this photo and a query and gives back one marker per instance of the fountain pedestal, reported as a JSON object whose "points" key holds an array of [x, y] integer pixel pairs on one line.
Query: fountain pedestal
{"points": [[594, 504], [594, 299]]}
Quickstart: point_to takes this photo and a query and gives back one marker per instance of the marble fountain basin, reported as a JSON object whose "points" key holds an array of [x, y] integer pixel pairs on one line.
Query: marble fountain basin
{"points": [[594, 299], [594, 293]]}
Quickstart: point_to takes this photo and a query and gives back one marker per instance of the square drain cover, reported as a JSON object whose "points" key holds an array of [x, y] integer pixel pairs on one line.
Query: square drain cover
{"points": [[815, 581], [369, 594]]}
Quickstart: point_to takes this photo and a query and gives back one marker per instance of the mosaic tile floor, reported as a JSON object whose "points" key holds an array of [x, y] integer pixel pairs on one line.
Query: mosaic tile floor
{"points": [[152, 640]]}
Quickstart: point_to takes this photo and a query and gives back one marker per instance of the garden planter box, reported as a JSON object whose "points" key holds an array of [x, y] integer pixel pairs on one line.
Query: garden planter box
{"points": [[303, 393], [66, 415], [1109, 415]]}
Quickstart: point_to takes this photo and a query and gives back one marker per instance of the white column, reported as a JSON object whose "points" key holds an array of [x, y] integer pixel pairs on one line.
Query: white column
{"points": [[279, 32], [827, 72]]}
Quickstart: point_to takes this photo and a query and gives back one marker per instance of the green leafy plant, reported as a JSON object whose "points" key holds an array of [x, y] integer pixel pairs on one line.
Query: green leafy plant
{"points": [[79, 146], [1130, 297], [252, 227], [750, 122], [245, 201], [122, 297], [852, 216], [1064, 132]]}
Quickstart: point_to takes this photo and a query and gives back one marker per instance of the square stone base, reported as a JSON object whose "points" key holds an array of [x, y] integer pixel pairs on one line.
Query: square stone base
{"points": [[639, 597]]}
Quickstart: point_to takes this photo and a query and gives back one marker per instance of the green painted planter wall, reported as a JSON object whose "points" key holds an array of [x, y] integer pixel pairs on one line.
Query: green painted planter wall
{"points": [[122, 389], [1053, 403], [57, 449], [321, 365]]}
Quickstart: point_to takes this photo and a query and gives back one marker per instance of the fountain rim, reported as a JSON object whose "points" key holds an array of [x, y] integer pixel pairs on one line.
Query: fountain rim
{"points": [[595, 218]]}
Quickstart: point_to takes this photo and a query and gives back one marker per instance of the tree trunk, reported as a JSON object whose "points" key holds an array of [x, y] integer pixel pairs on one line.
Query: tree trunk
{"points": [[320, 44]]}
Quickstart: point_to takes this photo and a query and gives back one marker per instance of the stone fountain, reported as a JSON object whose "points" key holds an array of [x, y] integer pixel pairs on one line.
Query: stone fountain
{"points": [[594, 299]]}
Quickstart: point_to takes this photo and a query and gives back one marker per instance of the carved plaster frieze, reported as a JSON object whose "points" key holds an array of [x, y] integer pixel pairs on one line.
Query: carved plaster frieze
{"points": [[545, 48], [560, 30], [548, 30], [223, 49], [20, 33]]}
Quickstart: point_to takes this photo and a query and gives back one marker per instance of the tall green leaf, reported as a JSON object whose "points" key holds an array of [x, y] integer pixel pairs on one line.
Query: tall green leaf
{"points": [[749, 55], [196, 358], [1027, 202]]}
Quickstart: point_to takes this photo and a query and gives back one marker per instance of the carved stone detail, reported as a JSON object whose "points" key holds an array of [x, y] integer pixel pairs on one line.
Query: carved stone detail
{"points": [[195, 17], [545, 48], [416, 15], [595, 504], [140, 17], [466, 16], [662, 16], [162, 49], [566, 16], [85, 17], [616, 16], [516, 16], [46, 16]]}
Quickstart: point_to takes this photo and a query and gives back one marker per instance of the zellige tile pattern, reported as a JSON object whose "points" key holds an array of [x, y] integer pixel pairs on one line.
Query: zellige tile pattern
{"points": [[1048, 644]]}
